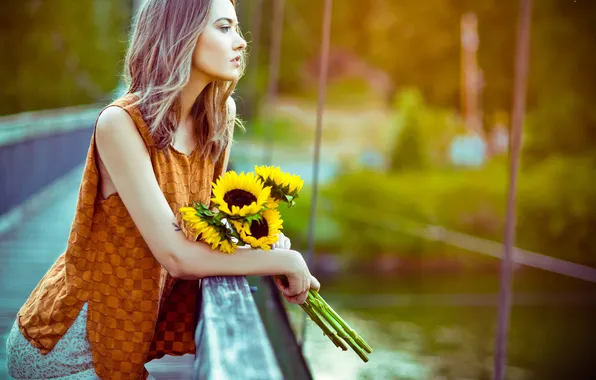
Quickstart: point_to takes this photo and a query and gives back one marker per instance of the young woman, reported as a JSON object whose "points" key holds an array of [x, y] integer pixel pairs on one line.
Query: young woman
{"points": [[124, 291]]}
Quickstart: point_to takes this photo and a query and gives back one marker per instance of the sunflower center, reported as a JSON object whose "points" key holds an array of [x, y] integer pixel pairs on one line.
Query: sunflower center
{"points": [[239, 198], [259, 229]]}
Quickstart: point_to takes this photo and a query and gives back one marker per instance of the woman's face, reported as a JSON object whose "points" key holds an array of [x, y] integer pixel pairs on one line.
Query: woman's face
{"points": [[218, 48]]}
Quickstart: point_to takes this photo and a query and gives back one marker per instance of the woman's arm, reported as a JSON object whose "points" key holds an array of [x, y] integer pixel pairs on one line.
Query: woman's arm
{"points": [[128, 163]]}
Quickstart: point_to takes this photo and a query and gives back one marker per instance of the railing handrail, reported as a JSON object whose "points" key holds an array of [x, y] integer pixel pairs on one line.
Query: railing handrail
{"points": [[231, 341], [33, 124]]}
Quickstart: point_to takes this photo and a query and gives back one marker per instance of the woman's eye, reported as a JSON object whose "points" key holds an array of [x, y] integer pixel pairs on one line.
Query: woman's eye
{"points": [[225, 29]]}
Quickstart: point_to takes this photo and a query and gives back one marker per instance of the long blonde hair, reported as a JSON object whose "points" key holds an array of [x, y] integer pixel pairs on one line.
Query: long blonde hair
{"points": [[158, 65]]}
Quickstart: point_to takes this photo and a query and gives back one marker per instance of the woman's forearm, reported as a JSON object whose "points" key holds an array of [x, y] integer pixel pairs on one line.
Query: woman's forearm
{"points": [[197, 260]]}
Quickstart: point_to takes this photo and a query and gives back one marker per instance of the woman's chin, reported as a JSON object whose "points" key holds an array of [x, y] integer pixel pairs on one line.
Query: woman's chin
{"points": [[228, 76]]}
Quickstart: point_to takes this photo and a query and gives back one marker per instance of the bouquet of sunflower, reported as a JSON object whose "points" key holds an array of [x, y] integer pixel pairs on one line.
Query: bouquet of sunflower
{"points": [[244, 211]]}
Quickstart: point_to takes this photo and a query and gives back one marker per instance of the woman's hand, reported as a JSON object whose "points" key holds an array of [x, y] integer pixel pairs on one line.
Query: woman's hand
{"points": [[301, 297], [283, 242], [297, 281]]}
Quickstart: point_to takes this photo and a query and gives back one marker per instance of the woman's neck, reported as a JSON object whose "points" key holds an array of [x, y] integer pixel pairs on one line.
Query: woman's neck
{"points": [[197, 83]]}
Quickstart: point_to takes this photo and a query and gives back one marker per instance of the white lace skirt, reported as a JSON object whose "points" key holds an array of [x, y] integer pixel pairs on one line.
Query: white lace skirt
{"points": [[70, 359]]}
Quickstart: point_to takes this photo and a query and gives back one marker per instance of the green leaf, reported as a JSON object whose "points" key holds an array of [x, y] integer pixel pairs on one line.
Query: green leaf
{"points": [[255, 217]]}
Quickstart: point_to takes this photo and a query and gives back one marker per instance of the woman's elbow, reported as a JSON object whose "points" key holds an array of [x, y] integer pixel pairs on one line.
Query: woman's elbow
{"points": [[174, 266], [168, 252], [178, 267], [171, 262]]}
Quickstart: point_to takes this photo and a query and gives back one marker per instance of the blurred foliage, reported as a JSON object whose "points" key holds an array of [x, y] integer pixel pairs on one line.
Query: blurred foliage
{"points": [[421, 133], [385, 205], [417, 45], [296, 222], [65, 53], [410, 151], [285, 132], [364, 214], [61, 52], [557, 208], [344, 92], [562, 79]]}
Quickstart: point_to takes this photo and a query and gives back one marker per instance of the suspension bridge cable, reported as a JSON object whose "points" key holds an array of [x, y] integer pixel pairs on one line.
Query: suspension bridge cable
{"points": [[323, 67], [519, 103], [275, 55]]}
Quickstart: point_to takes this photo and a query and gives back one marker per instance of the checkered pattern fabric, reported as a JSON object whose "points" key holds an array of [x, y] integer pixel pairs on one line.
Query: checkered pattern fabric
{"points": [[137, 311]]}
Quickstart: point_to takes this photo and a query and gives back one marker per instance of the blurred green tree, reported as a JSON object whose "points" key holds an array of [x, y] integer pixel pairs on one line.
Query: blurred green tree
{"points": [[60, 53], [410, 151]]}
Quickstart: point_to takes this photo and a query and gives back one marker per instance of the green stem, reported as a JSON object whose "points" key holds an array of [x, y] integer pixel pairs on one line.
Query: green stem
{"points": [[323, 315], [317, 305], [307, 307], [315, 317], [361, 342]]}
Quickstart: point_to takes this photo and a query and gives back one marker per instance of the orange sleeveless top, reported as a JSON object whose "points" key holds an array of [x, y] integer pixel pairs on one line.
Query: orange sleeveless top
{"points": [[137, 311]]}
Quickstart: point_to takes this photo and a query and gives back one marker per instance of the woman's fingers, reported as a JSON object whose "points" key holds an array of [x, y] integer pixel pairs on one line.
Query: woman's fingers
{"points": [[290, 289], [301, 297], [297, 299], [283, 242], [279, 284]]}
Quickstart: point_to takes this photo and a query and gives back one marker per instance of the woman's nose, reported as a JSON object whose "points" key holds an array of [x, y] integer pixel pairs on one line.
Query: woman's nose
{"points": [[242, 44]]}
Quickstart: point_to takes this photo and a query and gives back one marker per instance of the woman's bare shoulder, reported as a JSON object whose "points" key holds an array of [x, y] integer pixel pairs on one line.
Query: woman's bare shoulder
{"points": [[114, 119]]}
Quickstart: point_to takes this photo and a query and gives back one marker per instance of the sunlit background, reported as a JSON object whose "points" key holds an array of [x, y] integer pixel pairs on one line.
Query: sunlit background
{"points": [[413, 170]]}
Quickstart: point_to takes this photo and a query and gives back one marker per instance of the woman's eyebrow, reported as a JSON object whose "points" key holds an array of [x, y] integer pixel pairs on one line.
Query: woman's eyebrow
{"points": [[231, 21]]}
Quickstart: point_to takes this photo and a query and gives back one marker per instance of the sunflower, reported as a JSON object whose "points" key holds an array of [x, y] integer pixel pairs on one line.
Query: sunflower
{"points": [[240, 195], [217, 237], [209, 227], [227, 246], [260, 233], [211, 235], [193, 220], [284, 186]]}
